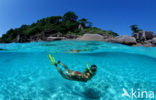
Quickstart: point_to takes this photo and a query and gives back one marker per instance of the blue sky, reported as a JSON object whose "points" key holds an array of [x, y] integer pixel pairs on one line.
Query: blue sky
{"points": [[116, 15]]}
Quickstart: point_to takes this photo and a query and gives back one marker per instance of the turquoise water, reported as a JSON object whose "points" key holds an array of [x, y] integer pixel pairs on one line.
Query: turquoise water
{"points": [[26, 73]]}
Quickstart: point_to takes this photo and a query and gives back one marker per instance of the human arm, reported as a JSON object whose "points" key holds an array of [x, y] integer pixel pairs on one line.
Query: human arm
{"points": [[63, 65], [61, 72]]}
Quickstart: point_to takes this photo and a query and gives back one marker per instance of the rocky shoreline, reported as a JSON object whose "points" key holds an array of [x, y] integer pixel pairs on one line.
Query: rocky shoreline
{"points": [[123, 39], [143, 38]]}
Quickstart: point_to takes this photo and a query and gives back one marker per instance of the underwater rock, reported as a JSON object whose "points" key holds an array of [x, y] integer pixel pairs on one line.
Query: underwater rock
{"points": [[92, 93], [1, 49]]}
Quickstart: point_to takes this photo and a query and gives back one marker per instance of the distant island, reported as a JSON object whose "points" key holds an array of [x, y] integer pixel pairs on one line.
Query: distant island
{"points": [[69, 26]]}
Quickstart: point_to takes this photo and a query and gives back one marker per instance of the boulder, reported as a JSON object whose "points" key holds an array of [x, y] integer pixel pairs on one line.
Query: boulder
{"points": [[147, 43], [70, 36], [96, 37], [137, 44], [154, 41], [124, 39], [143, 35], [149, 35], [55, 38]]}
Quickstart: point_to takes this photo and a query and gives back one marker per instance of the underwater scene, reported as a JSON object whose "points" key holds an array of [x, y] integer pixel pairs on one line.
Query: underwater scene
{"points": [[26, 73]]}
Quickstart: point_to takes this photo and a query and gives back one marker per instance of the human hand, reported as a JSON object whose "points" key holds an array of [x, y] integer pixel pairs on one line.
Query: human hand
{"points": [[59, 61]]}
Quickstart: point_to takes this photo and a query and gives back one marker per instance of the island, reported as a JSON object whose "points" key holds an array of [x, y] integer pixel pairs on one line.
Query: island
{"points": [[70, 27]]}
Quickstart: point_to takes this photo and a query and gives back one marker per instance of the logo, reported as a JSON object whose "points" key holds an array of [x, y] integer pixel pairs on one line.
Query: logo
{"points": [[137, 94]]}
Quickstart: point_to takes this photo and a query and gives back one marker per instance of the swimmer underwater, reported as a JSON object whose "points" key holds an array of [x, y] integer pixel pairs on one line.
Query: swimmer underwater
{"points": [[75, 75]]}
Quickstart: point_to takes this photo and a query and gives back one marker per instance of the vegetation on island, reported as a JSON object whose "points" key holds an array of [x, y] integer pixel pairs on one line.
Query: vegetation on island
{"points": [[135, 29], [69, 23]]}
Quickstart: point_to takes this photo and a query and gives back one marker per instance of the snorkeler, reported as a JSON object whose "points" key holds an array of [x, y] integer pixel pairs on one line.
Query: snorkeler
{"points": [[75, 75]]}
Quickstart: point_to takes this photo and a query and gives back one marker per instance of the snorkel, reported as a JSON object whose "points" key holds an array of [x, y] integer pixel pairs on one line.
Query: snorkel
{"points": [[89, 69]]}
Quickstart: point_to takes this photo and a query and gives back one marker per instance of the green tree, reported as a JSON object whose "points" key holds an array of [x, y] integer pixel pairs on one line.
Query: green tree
{"points": [[42, 22], [135, 28], [10, 35], [85, 23], [69, 22], [55, 19], [90, 24], [70, 16]]}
